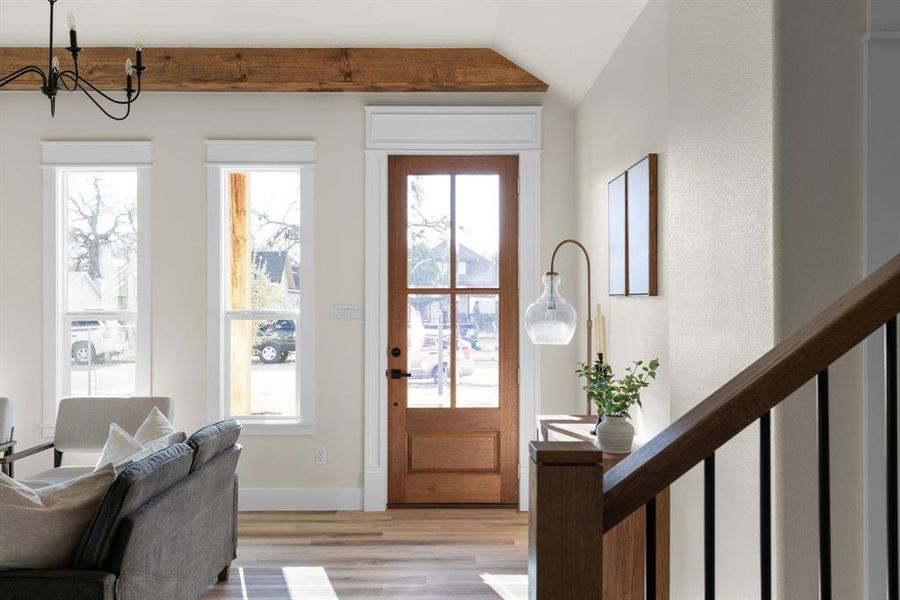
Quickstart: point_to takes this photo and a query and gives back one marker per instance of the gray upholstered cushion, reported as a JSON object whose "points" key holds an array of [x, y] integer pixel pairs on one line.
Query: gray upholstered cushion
{"points": [[212, 440], [57, 585], [135, 486], [82, 424], [6, 419]]}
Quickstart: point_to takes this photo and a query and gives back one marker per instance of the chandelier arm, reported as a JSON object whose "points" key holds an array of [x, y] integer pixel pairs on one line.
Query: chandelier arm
{"points": [[81, 82], [100, 106], [7, 79]]}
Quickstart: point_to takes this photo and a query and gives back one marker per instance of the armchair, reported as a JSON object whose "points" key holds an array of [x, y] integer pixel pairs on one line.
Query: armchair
{"points": [[82, 425], [7, 443]]}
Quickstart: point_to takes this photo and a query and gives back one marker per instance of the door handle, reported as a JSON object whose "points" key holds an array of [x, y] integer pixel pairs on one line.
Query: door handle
{"points": [[397, 374]]}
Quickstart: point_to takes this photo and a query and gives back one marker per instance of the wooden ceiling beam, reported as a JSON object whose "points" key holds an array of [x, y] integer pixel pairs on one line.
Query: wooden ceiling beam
{"points": [[291, 69]]}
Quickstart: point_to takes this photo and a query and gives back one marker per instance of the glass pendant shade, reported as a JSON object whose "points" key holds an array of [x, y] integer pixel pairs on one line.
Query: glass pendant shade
{"points": [[550, 320]]}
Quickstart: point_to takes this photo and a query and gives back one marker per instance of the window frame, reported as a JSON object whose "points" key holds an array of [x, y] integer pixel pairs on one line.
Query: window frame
{"points": [[58, 158], [223, 157]]}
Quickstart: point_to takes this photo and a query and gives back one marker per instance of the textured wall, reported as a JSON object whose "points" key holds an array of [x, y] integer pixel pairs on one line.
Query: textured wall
{"points": [[679, 86]]}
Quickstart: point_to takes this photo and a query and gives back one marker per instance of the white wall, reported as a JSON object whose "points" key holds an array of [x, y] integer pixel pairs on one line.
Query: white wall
{"points": [[818, 257], [693, 82], [881, 241], [178, 124]]}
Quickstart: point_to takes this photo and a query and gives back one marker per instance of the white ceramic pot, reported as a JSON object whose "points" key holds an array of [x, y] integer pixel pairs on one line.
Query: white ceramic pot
{"points": [[615, 435]]}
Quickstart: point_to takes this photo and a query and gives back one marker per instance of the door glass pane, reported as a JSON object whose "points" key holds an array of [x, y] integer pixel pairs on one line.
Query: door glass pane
{"points": [[102, 357], [478, 351], [263, 368], [477, 230], [428, 231], [263, 238], [428, 352], [101, 235]]}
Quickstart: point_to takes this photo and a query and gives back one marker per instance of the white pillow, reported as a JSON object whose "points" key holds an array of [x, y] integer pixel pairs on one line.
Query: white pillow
{"points": [[157, 445], [155, 426], [42, 527], [118, 448]]}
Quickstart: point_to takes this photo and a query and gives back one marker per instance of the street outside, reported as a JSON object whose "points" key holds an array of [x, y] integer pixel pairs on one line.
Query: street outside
{"points": [[273, 386], [477, 390]]}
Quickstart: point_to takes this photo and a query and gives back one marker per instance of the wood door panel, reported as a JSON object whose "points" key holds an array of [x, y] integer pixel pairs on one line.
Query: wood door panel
{"points": [[440, 450], [452, 488], [452, 420], [454, 452]]}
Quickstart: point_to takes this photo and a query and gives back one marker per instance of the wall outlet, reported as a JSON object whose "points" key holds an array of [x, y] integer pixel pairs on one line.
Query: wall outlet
{"points": [[321, 456]]}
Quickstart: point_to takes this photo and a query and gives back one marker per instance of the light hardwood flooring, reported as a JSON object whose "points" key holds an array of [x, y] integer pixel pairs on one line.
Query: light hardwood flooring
{"points": [[403, 554]]}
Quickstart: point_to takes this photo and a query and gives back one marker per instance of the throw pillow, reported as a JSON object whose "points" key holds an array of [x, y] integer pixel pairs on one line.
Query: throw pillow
{"points": [[157, 445], [155, 426], [42, 527], [118, 448]]}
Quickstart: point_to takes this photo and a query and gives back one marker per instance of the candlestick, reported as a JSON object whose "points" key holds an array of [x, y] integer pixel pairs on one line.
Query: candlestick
{"points": [[601, 334]]}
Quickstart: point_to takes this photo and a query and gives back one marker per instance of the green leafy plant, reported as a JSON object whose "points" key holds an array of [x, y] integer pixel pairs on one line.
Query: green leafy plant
{"points": [[614, 397]]}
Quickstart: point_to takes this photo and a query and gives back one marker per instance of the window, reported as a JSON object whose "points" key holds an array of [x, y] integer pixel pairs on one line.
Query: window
{"points": [[261, 278], [96, 270]]}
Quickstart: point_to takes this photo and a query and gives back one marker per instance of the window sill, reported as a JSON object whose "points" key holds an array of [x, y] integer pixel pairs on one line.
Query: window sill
{"points": [[277, 427]]}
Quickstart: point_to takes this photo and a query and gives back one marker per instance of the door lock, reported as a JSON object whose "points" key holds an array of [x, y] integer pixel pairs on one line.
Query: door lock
{"points": [[397, 374]]}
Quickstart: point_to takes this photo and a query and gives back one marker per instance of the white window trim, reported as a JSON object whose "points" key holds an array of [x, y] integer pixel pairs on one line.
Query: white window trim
{"points": [[228, 155], [56, 157], [390, 130]]}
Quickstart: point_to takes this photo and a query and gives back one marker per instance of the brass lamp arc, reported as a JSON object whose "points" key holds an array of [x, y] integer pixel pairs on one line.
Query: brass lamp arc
{"points": [[550, 320]]}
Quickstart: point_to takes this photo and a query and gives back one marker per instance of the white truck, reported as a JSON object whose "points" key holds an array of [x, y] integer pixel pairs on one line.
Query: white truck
{"points": [[95, 342]]}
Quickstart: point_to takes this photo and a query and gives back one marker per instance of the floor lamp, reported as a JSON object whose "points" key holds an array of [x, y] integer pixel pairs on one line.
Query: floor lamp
{"points": [[551, 320]]}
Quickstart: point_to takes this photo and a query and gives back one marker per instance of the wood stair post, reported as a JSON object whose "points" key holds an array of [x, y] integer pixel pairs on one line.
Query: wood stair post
{"points": [[565, 523]]}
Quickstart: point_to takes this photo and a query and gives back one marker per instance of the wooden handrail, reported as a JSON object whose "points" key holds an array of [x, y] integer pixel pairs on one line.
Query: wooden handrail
{"points": [[753, 392]]}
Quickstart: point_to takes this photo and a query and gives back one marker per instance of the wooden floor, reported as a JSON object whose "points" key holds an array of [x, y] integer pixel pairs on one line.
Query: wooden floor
{"points": [[400, 554]]}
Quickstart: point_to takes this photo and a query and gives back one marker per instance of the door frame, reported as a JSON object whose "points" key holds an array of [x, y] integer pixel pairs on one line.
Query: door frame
{"points": [[424, 130]]}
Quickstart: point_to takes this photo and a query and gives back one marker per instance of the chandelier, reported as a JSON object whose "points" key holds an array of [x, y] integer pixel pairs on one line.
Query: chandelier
{"points": [[54, 79]]}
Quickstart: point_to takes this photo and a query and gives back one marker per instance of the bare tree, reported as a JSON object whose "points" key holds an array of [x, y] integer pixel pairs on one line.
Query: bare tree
{"points": [[94, 225], [281, 233]]}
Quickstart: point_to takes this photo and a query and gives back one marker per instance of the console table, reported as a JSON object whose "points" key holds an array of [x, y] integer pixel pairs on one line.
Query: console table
{"points": [[623, 546]]}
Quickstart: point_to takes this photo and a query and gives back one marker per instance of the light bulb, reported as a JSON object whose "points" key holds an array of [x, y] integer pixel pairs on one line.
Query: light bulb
{"points": [[129, 69], [71, 19], [550, 319], [55, 64], [138, 44]]}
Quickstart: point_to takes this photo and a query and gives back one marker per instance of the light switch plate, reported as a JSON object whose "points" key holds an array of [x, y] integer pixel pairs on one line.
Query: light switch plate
{"points": [[349, 313]]}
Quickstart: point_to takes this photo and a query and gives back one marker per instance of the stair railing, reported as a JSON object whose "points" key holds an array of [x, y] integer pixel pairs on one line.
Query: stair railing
{"points": [[694, 438]]}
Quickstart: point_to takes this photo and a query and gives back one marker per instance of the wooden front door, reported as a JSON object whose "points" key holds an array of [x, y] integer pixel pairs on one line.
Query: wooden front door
{"points": [[453, 330]]}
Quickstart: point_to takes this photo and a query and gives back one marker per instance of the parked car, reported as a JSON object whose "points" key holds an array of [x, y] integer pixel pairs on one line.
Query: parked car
{"points": [[423, 363], [275, 340], [469, 332], [95, 342]]}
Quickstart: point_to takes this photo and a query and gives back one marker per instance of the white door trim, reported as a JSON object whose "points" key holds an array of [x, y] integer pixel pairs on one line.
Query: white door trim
{"points": [[445, 130]]}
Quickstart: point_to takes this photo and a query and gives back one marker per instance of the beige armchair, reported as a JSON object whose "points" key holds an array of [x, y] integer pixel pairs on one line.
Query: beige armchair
{"points": [[82, 425], [7, 443]]}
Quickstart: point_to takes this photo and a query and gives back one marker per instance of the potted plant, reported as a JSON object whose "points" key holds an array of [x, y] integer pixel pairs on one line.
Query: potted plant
{"points": [[614, 398]]}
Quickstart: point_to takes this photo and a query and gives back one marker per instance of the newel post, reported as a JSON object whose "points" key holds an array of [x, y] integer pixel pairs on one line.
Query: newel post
{"points": [[565, 522]]}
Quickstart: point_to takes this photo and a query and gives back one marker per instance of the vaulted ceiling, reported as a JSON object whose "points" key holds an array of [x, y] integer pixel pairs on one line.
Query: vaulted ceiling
{"points": [[563, 42]]}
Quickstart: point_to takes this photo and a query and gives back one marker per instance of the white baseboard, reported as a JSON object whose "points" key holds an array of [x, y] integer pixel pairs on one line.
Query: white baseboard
{"points": [[300, 499]]}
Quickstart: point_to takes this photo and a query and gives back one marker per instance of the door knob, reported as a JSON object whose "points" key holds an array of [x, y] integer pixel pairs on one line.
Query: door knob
{"points": [[398, 374]]}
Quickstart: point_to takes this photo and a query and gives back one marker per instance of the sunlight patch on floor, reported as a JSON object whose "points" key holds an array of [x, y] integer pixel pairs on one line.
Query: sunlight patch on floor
{"points": [[508, 587], [308, 583]]}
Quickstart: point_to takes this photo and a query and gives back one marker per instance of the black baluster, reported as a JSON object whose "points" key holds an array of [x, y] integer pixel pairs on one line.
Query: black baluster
{"points": [[824, 489], [709, 527], [890, 403], [650, 550], [765, 506]]}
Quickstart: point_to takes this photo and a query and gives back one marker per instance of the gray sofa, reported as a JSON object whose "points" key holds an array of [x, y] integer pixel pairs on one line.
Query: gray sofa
{"points": [[165, 529]]}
